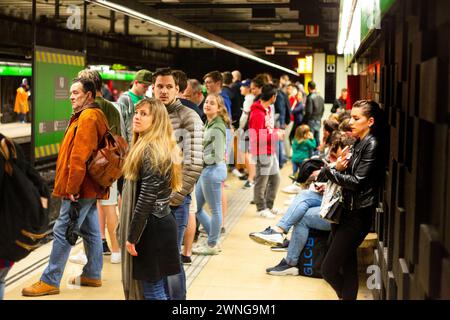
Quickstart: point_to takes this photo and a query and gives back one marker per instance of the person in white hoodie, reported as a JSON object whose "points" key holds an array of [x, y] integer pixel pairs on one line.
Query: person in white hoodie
{"points": [[249, 98]]}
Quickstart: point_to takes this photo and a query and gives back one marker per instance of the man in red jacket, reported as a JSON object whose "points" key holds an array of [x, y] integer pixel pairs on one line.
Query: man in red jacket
{"points": [[263, 138]]}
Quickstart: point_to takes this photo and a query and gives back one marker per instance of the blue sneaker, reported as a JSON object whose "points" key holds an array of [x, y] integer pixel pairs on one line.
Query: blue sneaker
{"points": [[268, 237], [283, 269]]}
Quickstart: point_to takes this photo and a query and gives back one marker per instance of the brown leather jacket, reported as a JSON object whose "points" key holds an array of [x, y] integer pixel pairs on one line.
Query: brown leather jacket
{"points": [[85, 130]]}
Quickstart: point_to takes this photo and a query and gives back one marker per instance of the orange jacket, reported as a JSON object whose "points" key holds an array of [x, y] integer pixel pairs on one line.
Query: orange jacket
{"points": [[21, 103], [86, 129]]}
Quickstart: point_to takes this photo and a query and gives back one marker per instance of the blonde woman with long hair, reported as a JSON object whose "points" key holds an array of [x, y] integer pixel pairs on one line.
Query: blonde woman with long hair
{"points": [[209, 185], [148, 230]]}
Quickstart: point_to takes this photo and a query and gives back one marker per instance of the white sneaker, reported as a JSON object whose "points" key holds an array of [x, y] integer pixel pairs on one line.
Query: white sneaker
{"points": [[276, 211], [293, 189], [266, 213], [79, 258], [200, 243], [206, 250], [268, 237], [116, 257], [237, 173]]}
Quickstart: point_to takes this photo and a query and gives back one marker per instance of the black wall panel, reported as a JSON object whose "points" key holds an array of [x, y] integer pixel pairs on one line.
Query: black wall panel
{"points": [[414, 227]]}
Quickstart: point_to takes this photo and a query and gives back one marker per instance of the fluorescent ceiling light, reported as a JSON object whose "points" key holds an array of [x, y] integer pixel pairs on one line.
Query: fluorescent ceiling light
{"points": [[280, 43], [344, 24], [189, 34], [293, 53]]}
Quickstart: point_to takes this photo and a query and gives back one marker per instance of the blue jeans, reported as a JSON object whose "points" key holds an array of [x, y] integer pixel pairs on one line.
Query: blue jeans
{"points": [[176, 284], [280, 152], [3, 273], [302, 202], [154, 290], [209, 189], [90, 230], [314, 125], [295, 167], [311, 220]]}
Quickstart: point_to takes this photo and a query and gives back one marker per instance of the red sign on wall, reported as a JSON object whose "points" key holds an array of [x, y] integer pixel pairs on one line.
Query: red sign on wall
{"points": [[312, 30]]}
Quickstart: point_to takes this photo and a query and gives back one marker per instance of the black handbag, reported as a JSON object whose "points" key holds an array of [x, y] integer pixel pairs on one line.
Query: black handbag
{"points": [[72, 232]]}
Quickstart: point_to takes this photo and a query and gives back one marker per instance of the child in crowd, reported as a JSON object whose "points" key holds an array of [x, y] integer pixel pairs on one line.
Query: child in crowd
{"points": [[302, 146]]}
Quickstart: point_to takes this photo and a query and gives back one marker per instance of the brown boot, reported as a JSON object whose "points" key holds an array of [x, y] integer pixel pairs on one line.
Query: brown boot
{"points": [[86, 282], [38, 289]]}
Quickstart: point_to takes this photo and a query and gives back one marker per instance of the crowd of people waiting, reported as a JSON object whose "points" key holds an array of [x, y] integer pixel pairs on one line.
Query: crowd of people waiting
{"points": [[180, 147]]}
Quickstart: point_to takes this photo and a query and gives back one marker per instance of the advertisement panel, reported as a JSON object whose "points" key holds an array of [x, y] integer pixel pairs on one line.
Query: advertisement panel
{"points": [[54, 71]]}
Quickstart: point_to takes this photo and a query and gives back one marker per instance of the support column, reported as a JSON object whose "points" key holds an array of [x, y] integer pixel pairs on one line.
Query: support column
{"points": [[112, 22], [126, 25], [56, 9]]}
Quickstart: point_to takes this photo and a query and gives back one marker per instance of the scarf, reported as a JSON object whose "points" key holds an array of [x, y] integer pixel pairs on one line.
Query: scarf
{"points": [[132, 288]]}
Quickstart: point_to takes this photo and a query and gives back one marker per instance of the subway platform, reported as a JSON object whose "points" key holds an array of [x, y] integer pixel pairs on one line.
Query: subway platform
{"points": [[237, 273]]}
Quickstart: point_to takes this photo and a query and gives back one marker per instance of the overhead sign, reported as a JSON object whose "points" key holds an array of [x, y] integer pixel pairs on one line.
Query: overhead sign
{"points": [[331, 63], [312, 30], [305, 65], [15, 71], [270, 50]]}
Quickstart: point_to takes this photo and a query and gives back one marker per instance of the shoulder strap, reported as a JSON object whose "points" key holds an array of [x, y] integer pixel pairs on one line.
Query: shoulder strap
{"points": [[8, 152]]}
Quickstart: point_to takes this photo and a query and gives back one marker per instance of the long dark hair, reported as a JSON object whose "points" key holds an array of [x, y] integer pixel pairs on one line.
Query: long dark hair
{"points": [[372, 109]]}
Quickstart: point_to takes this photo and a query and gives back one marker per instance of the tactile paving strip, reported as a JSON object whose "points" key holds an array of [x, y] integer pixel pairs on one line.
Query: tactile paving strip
{"points": [[238, 202]]}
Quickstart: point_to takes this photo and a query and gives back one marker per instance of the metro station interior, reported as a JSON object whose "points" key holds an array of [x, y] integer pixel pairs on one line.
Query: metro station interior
{"points": [[395, 52]]}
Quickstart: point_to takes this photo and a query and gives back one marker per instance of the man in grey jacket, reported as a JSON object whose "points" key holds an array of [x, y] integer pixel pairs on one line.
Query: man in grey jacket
{"points": [[188, 129]]}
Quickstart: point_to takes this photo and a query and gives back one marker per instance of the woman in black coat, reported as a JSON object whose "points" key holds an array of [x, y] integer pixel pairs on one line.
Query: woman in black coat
{"points": [[358, 171], [152, 171]]}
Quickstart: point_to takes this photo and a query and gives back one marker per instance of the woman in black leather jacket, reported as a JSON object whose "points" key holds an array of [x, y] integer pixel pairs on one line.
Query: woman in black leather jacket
{"points": [[358, 171], [152, 171]]}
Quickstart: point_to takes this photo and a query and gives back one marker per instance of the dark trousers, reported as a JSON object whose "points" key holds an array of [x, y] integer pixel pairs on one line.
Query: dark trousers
{"points": [[340, 266], [176, 284]]}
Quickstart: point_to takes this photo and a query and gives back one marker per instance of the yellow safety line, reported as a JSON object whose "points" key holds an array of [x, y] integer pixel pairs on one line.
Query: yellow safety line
{"points": [[43, 57]]}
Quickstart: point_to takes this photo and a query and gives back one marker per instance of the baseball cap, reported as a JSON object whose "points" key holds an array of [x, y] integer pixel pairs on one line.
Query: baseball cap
{"points": [[246, 83], [143, 76]]}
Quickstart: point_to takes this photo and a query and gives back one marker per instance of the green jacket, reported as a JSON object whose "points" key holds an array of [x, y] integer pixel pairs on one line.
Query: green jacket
{"points": [[302, 151], [111, 113], [214, 141]]}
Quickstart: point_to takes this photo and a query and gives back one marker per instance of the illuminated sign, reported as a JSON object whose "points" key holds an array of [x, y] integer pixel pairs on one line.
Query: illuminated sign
{"points": [[305, 65], [15, 71], [312, 30]]}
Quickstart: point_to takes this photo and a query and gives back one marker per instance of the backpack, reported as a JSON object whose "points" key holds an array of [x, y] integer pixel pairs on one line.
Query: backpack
{"points": [[308, 167], [105, 165], [313, 253], [23, 220]]}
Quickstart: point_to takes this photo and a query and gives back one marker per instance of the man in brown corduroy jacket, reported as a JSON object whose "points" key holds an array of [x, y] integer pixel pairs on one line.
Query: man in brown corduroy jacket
{"points": [[86, 128]]}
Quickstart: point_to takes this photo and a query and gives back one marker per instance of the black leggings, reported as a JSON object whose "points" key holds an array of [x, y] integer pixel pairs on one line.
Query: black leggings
{"points": [[340, 266]]}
